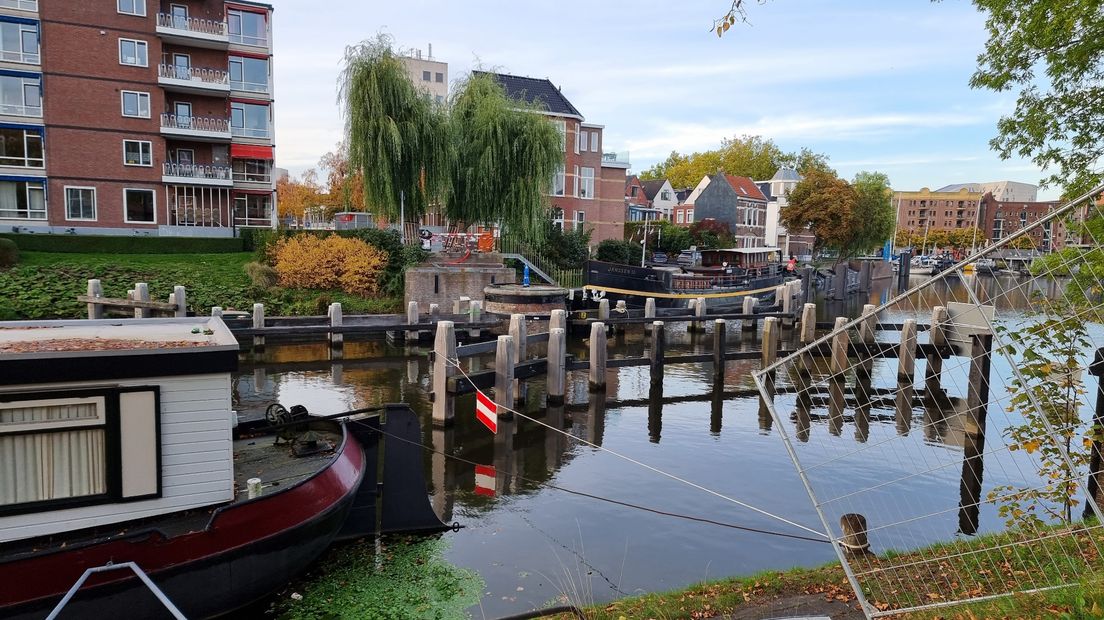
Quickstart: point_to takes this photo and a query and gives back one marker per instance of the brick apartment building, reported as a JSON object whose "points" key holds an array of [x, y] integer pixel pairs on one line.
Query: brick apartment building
{"points": [[927, 210], [1003, 218], [589, 192], [156, 117]]}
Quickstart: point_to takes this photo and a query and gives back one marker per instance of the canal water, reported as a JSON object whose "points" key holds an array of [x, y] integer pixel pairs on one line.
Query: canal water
{"points": [[533, 542]]}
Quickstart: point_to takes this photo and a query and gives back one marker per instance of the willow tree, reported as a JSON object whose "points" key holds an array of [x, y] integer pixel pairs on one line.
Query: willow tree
{"points": [[505, 157], [398, 139]]}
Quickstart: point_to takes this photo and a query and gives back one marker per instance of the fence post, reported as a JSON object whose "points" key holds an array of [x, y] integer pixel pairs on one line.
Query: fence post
{"points": [[808, 323], [719, 329], [444, 355], [519, 332], [598, 356], [412, 319], [748, 324], [906, 363], [337, 319], [180, 298], [557, 365], [141, 293], [655, 355], [258, 323], [504, 371], [95, 289]]}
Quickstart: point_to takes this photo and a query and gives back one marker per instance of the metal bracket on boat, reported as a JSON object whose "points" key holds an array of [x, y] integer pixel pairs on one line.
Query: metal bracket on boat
{"points": [[141, 574]]}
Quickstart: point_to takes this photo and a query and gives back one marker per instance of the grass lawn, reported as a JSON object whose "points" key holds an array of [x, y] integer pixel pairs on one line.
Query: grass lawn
{"points": [[46, 285]]}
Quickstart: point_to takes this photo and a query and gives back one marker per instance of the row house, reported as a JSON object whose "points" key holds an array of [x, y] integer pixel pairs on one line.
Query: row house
{"points": [[654, 199], [777, 191], [734, 201], [588, 192], [1000, 219], [136, 116]]}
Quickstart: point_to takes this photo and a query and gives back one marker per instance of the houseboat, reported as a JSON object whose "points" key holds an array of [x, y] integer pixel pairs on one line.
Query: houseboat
{"points": [[723, 277], [118, 447]]}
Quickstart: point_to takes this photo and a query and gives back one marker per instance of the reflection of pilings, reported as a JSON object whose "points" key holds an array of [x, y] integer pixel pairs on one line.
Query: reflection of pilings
{"points": [[977, 405], [935, 417], [259, 379], [554, 443], [655, 412], [863, 372], [903, 407], [337, 373], [716, 410], [596, 418], [412, 371], [804, 396], [443, 471], [505, 457], [938, 337], [838, 381]]}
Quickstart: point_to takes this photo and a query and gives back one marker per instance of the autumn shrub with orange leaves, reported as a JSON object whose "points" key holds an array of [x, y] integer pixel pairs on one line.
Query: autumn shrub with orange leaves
{"points": [[331, 262]]}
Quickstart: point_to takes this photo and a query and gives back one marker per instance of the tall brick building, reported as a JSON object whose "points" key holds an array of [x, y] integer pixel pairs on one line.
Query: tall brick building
{"points": [[1003, 218], [156, 116], [589, 192]]}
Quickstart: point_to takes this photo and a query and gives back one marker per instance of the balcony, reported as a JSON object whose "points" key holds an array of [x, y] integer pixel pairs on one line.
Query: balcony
{"points": [[618, 159], [192, 31], [259, 133], [195, 128], [194, 80], [257, 177], [196, 174]]}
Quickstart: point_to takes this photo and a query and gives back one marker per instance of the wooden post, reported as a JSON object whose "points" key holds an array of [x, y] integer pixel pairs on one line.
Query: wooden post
{"points": [[557, 365], [788, 305], [864, 373], [719, 328], [906, 356], [95, 289], [692, 306], [807, 285], [838, 381], [412, 318], [779, 294], [937, 336], [141, 293], [444, 354], [504, 371], [977, 405], [869, 325], [598, 355], [461, 306], [842, 271], [854, 541], [558, 320], [216, 311], [748, 325], [649, 312], [655, 355], [864, 277], [622, 312], [475, 313], [603, 309], [258, 323], [518, 332], [434, 311], [840, 343], [808, 323], [337, 319], [253, 487], [771, 332], [699, 313], [180, 298]]}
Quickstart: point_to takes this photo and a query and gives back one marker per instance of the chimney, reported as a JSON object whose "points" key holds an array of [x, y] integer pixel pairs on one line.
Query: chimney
{"points": [[418, 54], [431, 51]]}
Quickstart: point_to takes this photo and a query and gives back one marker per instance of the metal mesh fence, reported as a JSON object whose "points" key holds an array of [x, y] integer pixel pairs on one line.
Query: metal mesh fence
{"points": [[946, 437]]}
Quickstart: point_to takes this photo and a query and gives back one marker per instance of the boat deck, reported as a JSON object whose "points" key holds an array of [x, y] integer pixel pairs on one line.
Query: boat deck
{"points": [[275, 465]]}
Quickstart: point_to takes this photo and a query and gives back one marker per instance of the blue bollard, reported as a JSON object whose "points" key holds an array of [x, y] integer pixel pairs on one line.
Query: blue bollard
{"points": [[525, 276]]}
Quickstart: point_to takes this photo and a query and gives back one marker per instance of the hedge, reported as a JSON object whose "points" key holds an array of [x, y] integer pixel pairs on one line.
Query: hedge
{"points": [[102, 244]]}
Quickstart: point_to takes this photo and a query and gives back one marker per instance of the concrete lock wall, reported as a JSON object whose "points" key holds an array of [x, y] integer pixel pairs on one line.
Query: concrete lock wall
{"points": [[441, 284]]}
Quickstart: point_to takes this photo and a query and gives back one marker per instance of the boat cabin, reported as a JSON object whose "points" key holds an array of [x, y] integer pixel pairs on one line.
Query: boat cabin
{"points": [[105, 421], [748, 259]]}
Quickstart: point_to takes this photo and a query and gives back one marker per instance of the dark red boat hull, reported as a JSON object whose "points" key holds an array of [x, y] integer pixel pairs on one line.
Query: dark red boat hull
{"points": [[247, 551]]}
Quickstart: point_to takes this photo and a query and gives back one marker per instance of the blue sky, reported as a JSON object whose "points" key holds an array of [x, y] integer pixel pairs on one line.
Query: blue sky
{"points": [[875, 85]]}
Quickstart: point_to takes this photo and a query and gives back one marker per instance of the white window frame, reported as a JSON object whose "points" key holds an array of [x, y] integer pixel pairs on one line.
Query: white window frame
{"points": [[594, 142], [39, 186], [23, 56], [27, 159], [679, 216], [575, 188], [243, 85], [577, 130], [583, 135], [126, 217], [138, 44], [140, 95], [561, 176], [689, 216], [20, 427], [580, 219], [146, 145], [95, 206], [586, 181], [138, 5], [562, 127]]}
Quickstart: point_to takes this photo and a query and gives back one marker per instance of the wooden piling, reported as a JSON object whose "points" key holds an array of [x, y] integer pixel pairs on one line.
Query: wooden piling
{"points": [[808, 323], [807, 285], [258, 323], [434, 311], [854, 541], [788, 304], [557, 365], [504, 371], [412, 318], [719, 328], [519, 333], [216, 311], [475, 313], [95, 289], [444, 354], [771, 332], [649, 312], [868, 325], [603, 309], [906, 356], [141, 293], [838, 381], [864, 277], [748, 325], [937, 336], [337, 319], [598, 356], [180, 298], [655, 354], [699, 313], [622, 312], [557, 320]]}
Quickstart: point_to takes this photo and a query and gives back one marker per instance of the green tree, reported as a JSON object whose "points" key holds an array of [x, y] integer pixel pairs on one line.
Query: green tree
{"points": [[747, 156], [873, 216], [398, 141], [618, 251], [711, 234], [848, 218]]}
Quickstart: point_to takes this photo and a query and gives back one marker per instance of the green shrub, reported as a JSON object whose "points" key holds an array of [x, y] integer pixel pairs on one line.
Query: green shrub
{"points": [[9, 253], [261, 275], [103, 244], [618, 251]]}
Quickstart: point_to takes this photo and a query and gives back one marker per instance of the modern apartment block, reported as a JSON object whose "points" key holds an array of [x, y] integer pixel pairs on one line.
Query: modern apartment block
{"points": [[136, 117], [428, 74], [1001, 218], [926, 210]]}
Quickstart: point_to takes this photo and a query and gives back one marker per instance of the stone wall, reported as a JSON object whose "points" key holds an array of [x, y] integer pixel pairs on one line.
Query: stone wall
{"points": [[444, 284]]}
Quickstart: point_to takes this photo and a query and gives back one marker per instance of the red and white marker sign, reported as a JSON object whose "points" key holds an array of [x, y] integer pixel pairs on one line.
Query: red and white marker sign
{"points": [[485, 480], [486, 411]]}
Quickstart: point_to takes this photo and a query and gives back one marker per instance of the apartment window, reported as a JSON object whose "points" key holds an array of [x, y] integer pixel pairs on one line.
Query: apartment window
{"points": [[140, 206], [633, 190], [426, 76], [20, 95], [583, 140], [247, 27], [21, 147], [137, 153], [580, 218], [559, 182], [80, 203], [132, 7], [439, 77], [249, 120], [665, 195], [577, 138], [185, 157], [23, 200], [561, 126], [19, 42], [575, 190], [249, 74], [253, 170], [690, 216], [678, 216], [253, 209], [586, 182], [133, 52], [136, 104], [594, 142]]}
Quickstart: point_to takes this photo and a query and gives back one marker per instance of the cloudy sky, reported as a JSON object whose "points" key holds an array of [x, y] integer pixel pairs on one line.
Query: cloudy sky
{"points": [[874, 84]]}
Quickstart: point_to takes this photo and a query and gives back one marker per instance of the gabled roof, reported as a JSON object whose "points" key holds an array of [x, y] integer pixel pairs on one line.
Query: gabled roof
{"points": [[651, 188], [540, 92], [765, 187], [745, 187]]}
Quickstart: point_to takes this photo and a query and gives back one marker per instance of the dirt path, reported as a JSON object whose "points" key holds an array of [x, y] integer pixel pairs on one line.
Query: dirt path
{"points": [[798, 605]]}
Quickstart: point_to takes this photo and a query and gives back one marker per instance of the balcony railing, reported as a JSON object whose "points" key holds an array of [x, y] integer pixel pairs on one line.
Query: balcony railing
{"points": [[618, 157], [15, 109], [256, 40], [251, 132], [196, 171], [28, 58], [22, 5], [204, 75], [251, 87], [253, 216], [191, 24], [195, 123], [252, 177]]}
